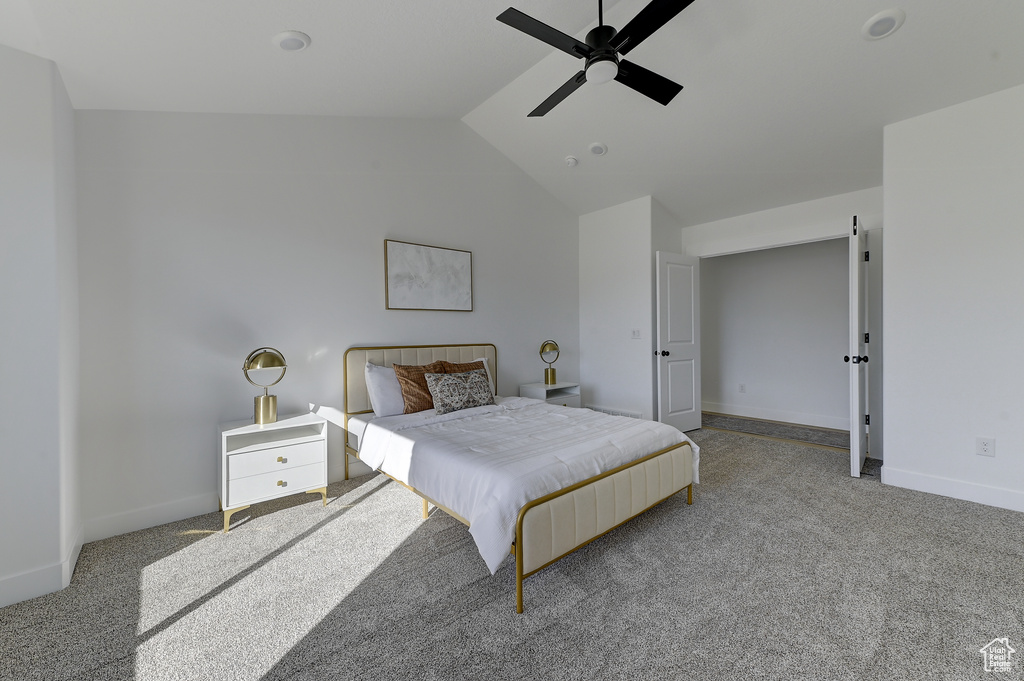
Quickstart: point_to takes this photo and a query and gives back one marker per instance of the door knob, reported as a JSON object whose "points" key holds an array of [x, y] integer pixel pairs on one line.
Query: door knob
{"points": [[856, 360]]}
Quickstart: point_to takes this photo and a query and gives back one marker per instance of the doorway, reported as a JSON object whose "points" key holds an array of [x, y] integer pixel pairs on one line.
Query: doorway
{"points": [[775, 329]]}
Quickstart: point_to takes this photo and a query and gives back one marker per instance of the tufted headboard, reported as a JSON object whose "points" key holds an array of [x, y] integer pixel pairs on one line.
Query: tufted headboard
{"points": [[357, 401]]}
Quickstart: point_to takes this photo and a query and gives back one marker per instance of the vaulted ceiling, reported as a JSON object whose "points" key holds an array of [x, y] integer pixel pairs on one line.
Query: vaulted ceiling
{"points": [[783, 101]]}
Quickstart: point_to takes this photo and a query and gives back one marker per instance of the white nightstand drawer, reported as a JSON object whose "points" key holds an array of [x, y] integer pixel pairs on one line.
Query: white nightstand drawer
{"points": [[275, 459], [268, 485]]}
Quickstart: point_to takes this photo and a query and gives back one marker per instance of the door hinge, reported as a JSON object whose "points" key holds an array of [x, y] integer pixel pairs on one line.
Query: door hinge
{"points": [[867, 256], [866, 336], [867, 419]]}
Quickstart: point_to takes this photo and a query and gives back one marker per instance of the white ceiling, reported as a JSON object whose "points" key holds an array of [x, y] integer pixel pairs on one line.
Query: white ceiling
{"points": [[783, 101]]}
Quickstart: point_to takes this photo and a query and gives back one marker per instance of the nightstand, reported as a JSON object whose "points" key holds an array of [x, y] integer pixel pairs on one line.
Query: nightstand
{"points": [[263, 462], [563, 394]]}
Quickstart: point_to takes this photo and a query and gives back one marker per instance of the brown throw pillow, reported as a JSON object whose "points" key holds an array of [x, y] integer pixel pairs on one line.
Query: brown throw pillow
{"points": [[411, 379], [450, 368]]}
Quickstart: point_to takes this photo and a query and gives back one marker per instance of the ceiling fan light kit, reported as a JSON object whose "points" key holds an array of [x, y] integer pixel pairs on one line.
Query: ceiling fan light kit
{"points": [[602, 51], [602, 70]]}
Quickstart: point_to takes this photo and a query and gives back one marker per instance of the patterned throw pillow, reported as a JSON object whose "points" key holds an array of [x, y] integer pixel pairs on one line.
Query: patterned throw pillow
{"points": [[452, 392], [414, 386], [452, 368]]}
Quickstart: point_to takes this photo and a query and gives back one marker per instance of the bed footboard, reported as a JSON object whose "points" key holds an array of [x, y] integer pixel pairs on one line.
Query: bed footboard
{"points": [[557, 524]]}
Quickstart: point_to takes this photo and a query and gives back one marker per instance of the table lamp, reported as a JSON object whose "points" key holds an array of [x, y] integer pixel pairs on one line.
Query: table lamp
{"points": [[549, 353], [264, 406]]}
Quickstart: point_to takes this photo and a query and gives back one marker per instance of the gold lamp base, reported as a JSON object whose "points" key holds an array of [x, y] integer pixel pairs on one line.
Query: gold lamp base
{"points": [[549, 376], [264, 409]]}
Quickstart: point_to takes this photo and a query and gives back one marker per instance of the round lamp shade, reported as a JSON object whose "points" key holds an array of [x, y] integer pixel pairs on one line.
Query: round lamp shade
{"points": [[549, 351], [264, 358]]}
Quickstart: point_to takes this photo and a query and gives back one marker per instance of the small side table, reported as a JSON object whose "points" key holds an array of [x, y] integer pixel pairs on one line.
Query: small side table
{"points": [[563, 394], [263, 462]]}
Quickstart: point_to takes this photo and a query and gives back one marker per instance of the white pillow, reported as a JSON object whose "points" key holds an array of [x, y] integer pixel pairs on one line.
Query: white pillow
{"points": [[487, 368], [384, 390]]}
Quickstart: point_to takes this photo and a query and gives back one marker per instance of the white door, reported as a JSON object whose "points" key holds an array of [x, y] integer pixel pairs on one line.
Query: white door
{"points": [[678, 348], [858, 356], [874, 348]]}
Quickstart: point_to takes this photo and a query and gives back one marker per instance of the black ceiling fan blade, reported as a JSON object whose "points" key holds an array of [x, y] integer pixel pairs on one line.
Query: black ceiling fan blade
{"points": [[658, 88], [650, 19], [561, 93], [542, 31]]}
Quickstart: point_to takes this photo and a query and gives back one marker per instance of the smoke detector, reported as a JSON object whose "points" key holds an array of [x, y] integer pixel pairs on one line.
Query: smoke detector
{"points": [[291, 41], [883, 24]]}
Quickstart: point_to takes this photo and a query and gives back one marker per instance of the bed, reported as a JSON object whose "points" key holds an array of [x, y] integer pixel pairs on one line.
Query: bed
{"points": [[542, 479]]}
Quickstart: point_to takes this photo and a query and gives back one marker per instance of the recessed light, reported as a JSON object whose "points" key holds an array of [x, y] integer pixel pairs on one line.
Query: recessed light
{"points": [[291, 41], [598, 149], [883, 24]]}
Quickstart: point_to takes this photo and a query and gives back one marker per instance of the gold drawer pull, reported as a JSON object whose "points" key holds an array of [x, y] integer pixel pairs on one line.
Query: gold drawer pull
{"points": [[281, 459], [282, 483]]}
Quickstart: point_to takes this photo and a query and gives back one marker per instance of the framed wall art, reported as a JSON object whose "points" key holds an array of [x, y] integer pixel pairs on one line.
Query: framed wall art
{"points": [[418, 277]]}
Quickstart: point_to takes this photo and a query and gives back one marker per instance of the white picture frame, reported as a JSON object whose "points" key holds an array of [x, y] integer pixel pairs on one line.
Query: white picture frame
{"points": [[419, 277]]}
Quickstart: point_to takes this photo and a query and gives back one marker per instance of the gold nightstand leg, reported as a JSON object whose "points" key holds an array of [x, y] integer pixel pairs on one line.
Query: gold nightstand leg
{"points": [[426, 509], [322, 490], [228, 514]]}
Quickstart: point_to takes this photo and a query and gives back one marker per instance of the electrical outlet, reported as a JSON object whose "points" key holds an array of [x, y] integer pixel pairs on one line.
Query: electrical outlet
{"points": [[986, 446], [743, 387], [635, 334]]}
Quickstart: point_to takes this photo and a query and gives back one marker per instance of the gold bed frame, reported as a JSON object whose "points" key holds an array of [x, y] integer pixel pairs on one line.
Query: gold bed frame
{"points": [[424, 354]]}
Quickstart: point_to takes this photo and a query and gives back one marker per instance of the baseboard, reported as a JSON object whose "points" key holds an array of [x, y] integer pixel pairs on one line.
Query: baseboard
{"points": [[42, 580], [999, 497], [149, 516], [30, 584], [71, 560], [818, 420]]}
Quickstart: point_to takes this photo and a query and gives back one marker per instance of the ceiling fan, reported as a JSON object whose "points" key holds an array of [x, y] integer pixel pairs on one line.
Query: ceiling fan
{"points": [[602, 49]]}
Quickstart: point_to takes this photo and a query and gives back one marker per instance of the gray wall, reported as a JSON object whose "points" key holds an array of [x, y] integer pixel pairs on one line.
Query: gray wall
{"points": [[41, 531], [952, 300], [203, 237]]}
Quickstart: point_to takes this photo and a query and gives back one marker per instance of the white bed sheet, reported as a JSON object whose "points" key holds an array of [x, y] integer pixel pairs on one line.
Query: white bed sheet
{"points": [[485, 463], [355, 426]]}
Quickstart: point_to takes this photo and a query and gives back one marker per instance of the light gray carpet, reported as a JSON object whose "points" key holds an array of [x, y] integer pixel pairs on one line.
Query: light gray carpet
{"points": [[787, 431], [784, 568]]}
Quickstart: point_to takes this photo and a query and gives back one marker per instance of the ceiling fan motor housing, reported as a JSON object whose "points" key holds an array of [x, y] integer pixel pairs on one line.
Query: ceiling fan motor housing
{"points": [[600, 38], [603, 56]]}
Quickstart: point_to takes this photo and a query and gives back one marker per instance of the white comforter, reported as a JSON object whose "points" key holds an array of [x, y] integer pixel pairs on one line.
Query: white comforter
{"points": [[485, 463]]}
